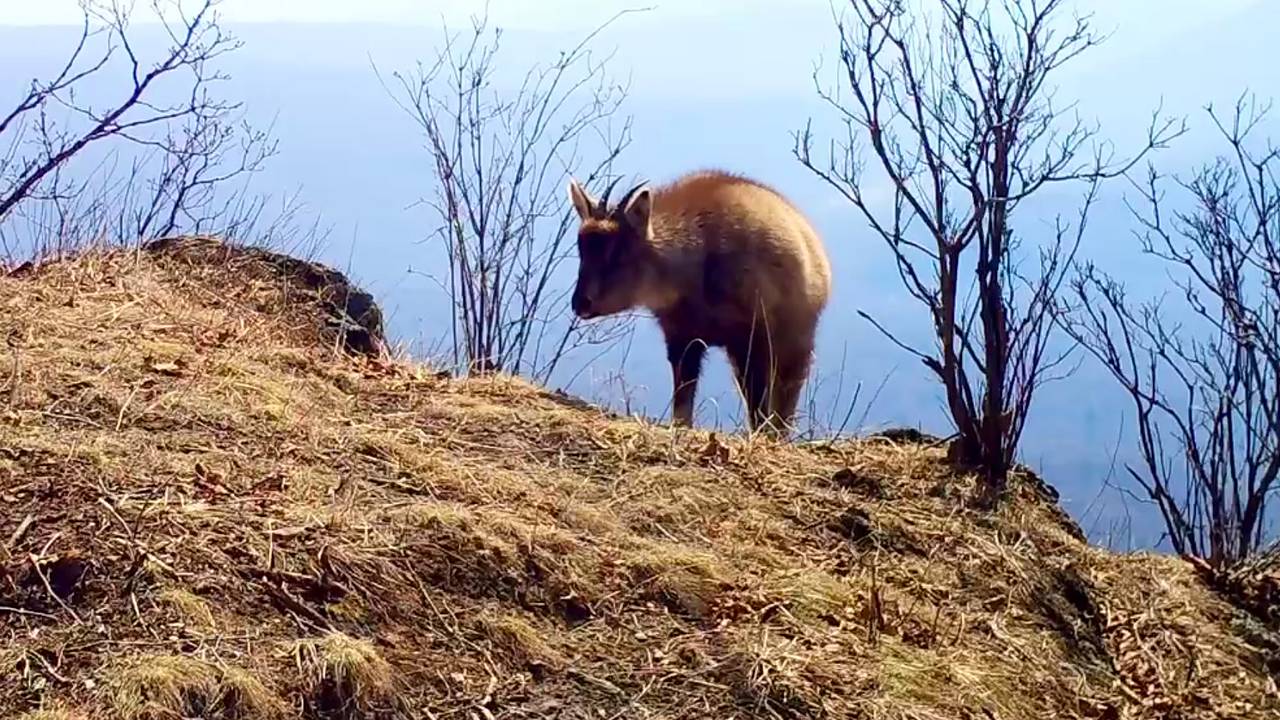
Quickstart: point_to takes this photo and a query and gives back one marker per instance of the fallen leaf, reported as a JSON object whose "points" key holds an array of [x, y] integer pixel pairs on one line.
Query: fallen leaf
{"points": [[167, 368], [715, 451]]}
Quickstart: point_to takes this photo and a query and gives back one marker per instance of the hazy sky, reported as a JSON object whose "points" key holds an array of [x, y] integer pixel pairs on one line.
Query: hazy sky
{"points": [[545, 14], [1144, 21]]}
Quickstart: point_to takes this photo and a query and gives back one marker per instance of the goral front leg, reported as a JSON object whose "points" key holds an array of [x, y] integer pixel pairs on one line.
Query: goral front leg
{"points": [[685, 355]]}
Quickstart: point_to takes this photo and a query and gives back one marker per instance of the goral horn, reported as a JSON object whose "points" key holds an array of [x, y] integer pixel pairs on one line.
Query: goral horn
{"points": [[603, 205], [627, 198]]}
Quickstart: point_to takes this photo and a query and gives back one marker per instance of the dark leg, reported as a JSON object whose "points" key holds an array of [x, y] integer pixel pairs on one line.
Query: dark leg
{"points": [[792, 370], [685, 356], [752, 362]]}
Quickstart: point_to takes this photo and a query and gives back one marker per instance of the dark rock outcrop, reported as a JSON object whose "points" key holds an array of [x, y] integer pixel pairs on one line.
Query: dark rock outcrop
{"points": [[352, 315]]}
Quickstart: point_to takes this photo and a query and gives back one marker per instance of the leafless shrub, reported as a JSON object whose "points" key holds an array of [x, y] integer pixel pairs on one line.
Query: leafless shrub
{"points": [[501, 159], [1204, 378], [962, 122], [149, 159]]}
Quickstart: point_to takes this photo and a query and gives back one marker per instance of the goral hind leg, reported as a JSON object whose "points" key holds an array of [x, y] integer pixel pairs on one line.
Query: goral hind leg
{"points": [[790, 373], [753, 368]]}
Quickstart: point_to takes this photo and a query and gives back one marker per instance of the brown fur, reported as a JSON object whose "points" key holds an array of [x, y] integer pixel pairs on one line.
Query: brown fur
{"points": [[721, 261]]}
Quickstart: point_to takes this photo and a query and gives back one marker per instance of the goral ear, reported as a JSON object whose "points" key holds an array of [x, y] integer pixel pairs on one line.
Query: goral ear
{"points": [[583, 202], [636, 208]]}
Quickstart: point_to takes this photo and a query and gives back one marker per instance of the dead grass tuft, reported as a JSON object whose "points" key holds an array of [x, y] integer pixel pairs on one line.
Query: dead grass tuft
{"points": [[774, 677], [685, 580], [163, 687], [519, 642], [192, 609], [344, 676], [242, 695], [176, 686]]}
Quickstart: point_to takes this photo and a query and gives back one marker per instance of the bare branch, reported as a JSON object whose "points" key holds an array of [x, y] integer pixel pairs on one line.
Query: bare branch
{"points": [[501, 162], [961, 123], [179, 144], [1208, 383]]}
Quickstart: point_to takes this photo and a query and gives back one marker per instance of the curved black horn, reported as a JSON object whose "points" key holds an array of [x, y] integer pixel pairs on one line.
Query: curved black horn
{"points": [[630, 193], [604, 199]]}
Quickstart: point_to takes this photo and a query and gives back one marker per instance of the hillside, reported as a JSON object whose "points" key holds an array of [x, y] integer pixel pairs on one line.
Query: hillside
{"points": [[215, 507]]}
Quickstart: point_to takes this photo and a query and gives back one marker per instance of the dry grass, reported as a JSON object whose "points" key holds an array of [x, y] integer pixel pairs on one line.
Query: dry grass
{"points": [[151, 688], [159, 687], [52, 714], [211, 510], [518, 643], [344, 676], [191, 609]]}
